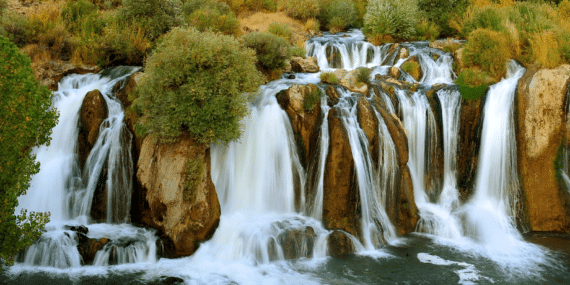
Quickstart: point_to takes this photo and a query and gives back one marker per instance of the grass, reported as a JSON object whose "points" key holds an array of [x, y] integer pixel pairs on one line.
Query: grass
{"points": [[412, 68], [312, 98], [330, 78], [363, 75]]}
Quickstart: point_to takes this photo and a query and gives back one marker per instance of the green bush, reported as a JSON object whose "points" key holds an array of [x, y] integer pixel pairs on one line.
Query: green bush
{"points": [[487, 50], [74, 11], [300, 9], [213, 20], [426, 31], [312, 99], [252, 5], [363, 75], [473, 83], [17, 28], [26, 122], [299, 51], [271, 50], [412, 68], [192, 5], [441, 12], [198, 89], [485, 18], [280, 29], [564, 40], [156, 16], [3, 6], [329, 77], [338, 15], [391, 17]]}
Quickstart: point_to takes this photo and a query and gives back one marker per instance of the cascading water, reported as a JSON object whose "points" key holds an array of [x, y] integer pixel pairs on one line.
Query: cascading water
{"points": [[270, 231], [66, 191]]}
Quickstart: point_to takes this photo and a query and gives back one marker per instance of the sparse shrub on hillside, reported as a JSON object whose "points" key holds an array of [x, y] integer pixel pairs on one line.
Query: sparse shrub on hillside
{"points": [[485, 18], [544, 49], [252, 5], [75, 11], [192, 5], [280, 29], [155, 16], [391, 17], [198, 89], [487, 50], [312, 25], [213, 20], [426, 30], [441, 12], [271, 50], [300, 9], [338, 15]]}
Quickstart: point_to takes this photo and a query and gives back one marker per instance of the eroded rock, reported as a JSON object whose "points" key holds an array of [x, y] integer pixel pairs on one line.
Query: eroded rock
{"points": [[305, 65]]}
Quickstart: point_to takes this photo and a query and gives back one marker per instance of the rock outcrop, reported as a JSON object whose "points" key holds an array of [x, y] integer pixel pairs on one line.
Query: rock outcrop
{"points": [[305, 65], [186, 215], [349, 80], [51, 72], [541, 121], [341, 202], [92, 113]]}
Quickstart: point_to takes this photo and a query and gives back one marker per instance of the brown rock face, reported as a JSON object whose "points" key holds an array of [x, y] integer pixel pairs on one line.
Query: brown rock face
{"points": [[541, 122], [394, 72], [416, 70], [51, 72], [471, 119], [162, 174], [304, 122], [306, 65], [369, 124], [341, 202], [93, 112], [339, 244], [88, 248], [349, 80]]}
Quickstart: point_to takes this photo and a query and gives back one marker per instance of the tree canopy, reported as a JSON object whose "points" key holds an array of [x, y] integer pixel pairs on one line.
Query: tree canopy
{"points": [[26, 121]]}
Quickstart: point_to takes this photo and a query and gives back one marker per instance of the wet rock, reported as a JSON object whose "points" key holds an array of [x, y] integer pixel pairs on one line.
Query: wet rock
{"points": [[88, 248], [304, 121], [333, 95], [394, 72], [341, 202], [92, 113], [51, 72], [541, 121], [80, 229], [305, 65], [412, 66], [349, 80], [297, 243], [287, 68], [404, 53], [171, 280], [393, 54], [339, 244], [162, 174], [291, 76], [369, 124]]}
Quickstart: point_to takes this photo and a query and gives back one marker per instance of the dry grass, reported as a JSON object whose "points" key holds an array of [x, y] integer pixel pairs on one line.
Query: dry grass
{"points": [[545, 50]]}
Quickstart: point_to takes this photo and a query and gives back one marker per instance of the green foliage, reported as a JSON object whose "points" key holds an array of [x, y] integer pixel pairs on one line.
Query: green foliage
{"points": [[16, 27], [441, 12], [338, 15], [252, 5], [472, 83], [564, 40], [193, 177], [426, 30], [198, 89], [299, 51], [3, 6], [486, 18], [74, 11], [26, 121], [391, 17], [312, 98], [330, 78], [412, 68], [300, 9], [487, 50], [363, 75], [280, 29], [213, 20], [271, 50], [191, 6], [155, 16]]}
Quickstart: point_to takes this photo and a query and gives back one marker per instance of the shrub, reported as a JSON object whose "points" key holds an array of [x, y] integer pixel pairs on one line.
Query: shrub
{"points": [[312, 98], [411, 67], [252, 5], [26, 122], [312, 25], [563, 9], [300, 9], [426, 30], [485, 18], [3, 6], [192, 5], [441, 12], [363, 75], [74, 11], [544, 49], [198, 89], [488, 50], [473, 83], [330, 78], [299, 51], [338, 15], [280, 29], [124, 44], [390, 17], [564, 40], [209, 19], [155, 16], [271, 50]]}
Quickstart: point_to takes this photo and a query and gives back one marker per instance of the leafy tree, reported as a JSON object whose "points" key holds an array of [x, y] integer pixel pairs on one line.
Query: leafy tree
{"points": [[198, 89], [26, 121], [271, 50], [156, 16]]}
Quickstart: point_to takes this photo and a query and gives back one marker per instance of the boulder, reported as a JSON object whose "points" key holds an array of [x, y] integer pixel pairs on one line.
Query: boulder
{"points": [[412, 66], [297, 243], [185, 216], [369, 124], [92, 113], [394, 72], [393, 54], [341, 201], [305, 65], [404, 53], [339, 244], [88, 247], [541, 120], [348, 79], [333, 95]]}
